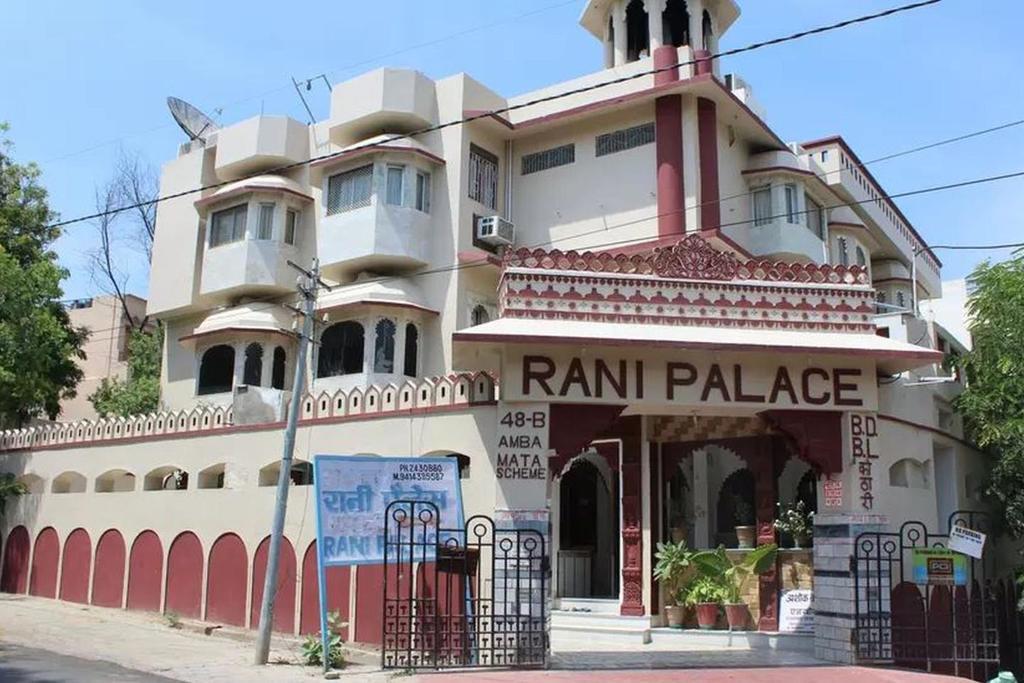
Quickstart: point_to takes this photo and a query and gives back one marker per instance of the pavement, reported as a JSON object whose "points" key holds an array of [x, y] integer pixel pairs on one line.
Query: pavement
{"points": [[44, 641]]}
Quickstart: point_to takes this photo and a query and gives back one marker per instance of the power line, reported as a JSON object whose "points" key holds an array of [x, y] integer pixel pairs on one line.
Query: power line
{"points": [[510, 108]]}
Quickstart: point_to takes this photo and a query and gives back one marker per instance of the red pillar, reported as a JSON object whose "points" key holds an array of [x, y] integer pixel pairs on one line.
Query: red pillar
{"points": [[632, 532], [765, 496], [707, 135], [668, 133]]}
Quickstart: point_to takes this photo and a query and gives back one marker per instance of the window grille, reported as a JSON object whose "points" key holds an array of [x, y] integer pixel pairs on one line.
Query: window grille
{"points": [[549, 158], [350, 190], [483, 177], [627, 138]]}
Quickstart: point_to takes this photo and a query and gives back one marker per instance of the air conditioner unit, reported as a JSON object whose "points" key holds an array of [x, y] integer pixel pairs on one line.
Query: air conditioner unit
{"points": [[496, 231]]}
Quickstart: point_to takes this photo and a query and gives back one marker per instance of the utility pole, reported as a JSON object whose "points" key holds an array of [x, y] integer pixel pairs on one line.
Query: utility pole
{"points": [[308, 285]]}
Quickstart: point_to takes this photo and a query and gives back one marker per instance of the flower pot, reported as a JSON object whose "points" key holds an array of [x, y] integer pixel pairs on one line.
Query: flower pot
{"points": [[707, 615], [738, 615], [745, 536], [801, 541], [674, 614]]}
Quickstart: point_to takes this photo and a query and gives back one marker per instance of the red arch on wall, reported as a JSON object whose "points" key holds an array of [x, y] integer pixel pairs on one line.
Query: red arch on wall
{"points": [[185, 576], [370, 603], [337, 593], [42, 580], [14, 578], [75, 563], [145, 569], [284, 603], [108, 571], [225, 583]]}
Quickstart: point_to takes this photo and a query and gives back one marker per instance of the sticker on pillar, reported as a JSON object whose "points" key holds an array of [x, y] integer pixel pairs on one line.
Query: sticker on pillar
{"points": [[795, 612], [966, 541], [521, 456], [939, 567], [833, 493]]}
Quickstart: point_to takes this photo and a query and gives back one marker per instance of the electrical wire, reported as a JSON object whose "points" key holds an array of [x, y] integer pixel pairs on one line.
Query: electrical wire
{"points": [[507, 109]]}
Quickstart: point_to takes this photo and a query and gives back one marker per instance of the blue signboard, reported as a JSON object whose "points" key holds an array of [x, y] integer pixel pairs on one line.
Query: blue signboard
{"points": [[352, 495]]}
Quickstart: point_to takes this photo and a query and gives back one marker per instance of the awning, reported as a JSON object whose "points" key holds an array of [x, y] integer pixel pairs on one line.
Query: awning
{"points": [[890, 355], [395, 292], [248, 318]]}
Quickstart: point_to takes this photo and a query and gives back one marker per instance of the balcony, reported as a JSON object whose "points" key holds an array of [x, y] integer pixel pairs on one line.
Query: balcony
{"points": [[396, 100], [251, 267], [259, 144]]}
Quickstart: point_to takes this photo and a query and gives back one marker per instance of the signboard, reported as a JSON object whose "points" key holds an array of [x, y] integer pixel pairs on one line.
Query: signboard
{"points": [[521, 456], [833, 493], [688, 378], [352, 493], [939, 567], [966, 541], [796, 614]]}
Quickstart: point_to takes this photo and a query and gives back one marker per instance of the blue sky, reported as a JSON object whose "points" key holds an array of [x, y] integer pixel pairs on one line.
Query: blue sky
{"points": [[82, 80]]}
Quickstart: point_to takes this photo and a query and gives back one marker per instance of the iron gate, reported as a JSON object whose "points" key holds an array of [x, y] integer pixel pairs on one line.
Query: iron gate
{"points": [[469, 597], [938, 628]]}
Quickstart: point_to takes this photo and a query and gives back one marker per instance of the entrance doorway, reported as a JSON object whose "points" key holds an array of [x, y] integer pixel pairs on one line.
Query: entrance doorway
{"points": [[588, 529]]}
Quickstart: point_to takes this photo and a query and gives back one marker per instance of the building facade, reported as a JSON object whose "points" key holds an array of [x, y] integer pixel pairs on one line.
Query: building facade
{"points": [[693, 301]]}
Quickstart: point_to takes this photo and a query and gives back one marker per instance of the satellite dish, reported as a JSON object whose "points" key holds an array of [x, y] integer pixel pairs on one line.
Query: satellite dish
{"points": [[195, 123]]}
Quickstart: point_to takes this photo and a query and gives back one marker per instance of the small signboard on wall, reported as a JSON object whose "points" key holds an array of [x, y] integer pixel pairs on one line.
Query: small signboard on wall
{"points": [[833, 493], [795, 612], [939, 567], [521, 456], [966, 541]]}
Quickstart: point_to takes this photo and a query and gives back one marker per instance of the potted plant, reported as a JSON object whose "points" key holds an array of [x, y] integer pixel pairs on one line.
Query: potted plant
{"points": [[794, 519], [673, 567], [731, 576], [743, 513], [706, 593]]}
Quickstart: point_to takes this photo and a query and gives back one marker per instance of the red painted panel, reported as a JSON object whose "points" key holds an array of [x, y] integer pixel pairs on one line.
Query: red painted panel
{"points": [[185, 576], [108, 572], [145, 569], [707, 136], [284, 603], [43, 577], [369, 603], [226, 584], [908, 626], [668, 144], [75, 565], [337, 593], [15, 572]]}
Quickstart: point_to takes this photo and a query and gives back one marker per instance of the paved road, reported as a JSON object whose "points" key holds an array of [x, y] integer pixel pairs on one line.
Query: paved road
{"points": [[28, 665]]}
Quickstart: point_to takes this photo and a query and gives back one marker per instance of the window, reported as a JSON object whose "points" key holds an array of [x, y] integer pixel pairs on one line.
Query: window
{"points": [[341, 350], [393, 194], [278, 369], [815, 217], [265, 226], [549, 158], [350, 190], [384, 346], [824, 155], [844, 252], [291, 219], [483, 177], [862, 259], [228, 225], [901, 300], [762, 205], [412, 344], [423, 191], [909, 474], [637, 36], [479, 315], [621, 140], [253, 371], [707, 31], [216, 370], [792, 210], [675, 23]]}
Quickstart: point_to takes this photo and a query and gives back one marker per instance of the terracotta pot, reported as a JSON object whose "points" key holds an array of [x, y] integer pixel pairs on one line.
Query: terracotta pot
{"points": [[674, 615], [707, 615], [738, 615], [746, 535]]}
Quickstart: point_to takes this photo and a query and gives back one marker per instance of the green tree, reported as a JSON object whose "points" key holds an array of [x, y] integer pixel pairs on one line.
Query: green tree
{"points": [[38, 345], [9, 488], [140, 392], [993, 402]]}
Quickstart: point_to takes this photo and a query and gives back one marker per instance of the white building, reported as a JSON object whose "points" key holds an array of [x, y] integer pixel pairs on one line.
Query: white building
{"points": [[692, 297]]}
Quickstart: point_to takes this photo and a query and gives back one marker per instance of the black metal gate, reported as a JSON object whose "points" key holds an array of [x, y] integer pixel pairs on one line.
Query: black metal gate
{"points": [[951, 629], [469, 597]]}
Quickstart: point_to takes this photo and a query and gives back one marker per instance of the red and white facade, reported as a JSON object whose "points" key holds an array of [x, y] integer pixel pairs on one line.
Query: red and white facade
{"points": [[692, 299]]}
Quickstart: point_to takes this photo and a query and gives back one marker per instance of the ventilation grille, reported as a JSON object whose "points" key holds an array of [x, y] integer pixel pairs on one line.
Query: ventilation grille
{"points": [[627, 138], [549, 158]]}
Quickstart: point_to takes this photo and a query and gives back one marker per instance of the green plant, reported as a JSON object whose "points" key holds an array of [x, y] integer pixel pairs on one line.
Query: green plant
{"points": [[313, 647], [172, 619], [716, 566], [704, 589], [743, 511], [673, 562], [794, 519], [10, 487]]}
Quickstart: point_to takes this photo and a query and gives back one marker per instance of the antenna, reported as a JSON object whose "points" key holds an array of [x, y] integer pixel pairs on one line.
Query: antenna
{"points": [[195, 123]]}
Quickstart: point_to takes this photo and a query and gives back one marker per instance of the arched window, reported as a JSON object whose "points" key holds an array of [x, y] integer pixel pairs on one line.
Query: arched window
{"points": [[384, 346], [735, 503], [341, 350], [862, 259], [68, 482], [479, 315], [675, 23], [166, 478], [707, 31], [908, 474], [212, 477], [412, 345], [216, 370], [637, 36], [277, 371], [115, 481], [252, 374], [844, 252]]}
